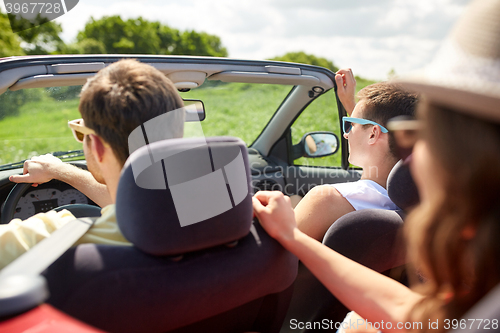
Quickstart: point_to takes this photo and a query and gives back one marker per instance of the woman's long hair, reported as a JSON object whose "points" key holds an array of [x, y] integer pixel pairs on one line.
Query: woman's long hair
{"points": [[454, 241]]}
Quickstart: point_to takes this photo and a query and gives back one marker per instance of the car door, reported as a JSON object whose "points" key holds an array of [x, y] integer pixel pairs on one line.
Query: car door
{"points": [[298, 173]]}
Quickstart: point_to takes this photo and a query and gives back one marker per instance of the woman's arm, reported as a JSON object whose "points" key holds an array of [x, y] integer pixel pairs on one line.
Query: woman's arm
{"points": [[372, 295]]}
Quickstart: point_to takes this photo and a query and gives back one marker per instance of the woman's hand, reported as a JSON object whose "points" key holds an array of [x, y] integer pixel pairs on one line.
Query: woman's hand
{"points": [[275, 213]]}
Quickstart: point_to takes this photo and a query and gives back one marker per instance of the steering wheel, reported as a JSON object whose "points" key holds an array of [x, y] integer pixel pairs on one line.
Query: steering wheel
{"points": [[9, 208]]}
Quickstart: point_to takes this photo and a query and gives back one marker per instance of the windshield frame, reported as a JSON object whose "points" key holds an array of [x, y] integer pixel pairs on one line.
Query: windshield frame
{"points": [[41, 70]]}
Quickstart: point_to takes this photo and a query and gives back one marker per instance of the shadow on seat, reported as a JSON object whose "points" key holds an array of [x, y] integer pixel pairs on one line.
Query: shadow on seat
{"points": [[198, 262]]}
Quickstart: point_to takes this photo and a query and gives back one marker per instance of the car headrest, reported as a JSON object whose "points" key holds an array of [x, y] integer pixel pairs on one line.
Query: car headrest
{"points": [[182, 195], [400, 186]]}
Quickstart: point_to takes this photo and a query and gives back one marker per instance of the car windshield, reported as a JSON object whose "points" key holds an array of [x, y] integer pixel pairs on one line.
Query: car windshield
{"points": [[34, 121]]}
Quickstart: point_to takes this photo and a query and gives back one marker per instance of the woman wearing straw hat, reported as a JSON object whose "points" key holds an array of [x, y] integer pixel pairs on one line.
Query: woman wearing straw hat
{"points": [[454, 234]]}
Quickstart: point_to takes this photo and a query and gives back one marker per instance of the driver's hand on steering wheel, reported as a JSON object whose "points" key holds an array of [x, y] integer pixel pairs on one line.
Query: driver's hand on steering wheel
{"points": [[39, 170]]}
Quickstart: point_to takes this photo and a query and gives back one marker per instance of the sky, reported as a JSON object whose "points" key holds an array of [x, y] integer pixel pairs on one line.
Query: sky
{"points": [[370, 36]]}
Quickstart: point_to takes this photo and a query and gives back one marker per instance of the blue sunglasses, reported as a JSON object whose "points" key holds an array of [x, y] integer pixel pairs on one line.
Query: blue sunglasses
{"points": [[347, 124]]}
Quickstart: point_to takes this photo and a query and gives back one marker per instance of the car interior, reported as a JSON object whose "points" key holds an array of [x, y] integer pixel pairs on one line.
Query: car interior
{"points": [[223, 274]]}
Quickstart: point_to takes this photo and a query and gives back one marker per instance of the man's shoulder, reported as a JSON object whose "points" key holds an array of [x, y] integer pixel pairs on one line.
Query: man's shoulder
{"points": [[325, 190], [368, 183]]}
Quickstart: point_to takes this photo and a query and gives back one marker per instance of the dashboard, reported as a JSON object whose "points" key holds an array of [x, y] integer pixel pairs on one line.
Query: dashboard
{"points": [[44, 198], [267, 173]]}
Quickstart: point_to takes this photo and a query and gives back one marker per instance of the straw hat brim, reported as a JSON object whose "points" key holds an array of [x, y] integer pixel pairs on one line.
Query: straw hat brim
{"points": [[476, 104]]}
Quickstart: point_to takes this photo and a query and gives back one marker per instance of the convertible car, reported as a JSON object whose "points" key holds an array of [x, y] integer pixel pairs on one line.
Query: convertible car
{"points": [[280, 120]]}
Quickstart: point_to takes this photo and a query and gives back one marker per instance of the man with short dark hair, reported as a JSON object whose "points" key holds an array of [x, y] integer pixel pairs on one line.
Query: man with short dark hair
{"points": [[384, 101], [117, 100], [370, 147]]}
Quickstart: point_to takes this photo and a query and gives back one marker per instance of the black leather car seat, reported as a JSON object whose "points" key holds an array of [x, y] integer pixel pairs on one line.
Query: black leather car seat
{"points": [[198, 262]]}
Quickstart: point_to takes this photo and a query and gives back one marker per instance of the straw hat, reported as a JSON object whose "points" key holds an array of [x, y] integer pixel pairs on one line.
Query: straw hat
{"points": [[465, 74]]}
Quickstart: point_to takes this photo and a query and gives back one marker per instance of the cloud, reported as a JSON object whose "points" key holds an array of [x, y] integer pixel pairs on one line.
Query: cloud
{"points": [[427, 19], [370, 36], [329, 5], [369, 57]]}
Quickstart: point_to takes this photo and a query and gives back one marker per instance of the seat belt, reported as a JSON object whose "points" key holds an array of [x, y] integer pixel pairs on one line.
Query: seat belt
{"points": [[21, 285], [43, 254]]}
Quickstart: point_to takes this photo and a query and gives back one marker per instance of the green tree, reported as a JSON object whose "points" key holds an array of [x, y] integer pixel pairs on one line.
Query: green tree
{"points": [[202, 44], [42, 39], [10, 44], [11, 101], [30, 39], [112, 34], [170, 38], [85, 46], [119, 36], [303, 58]]}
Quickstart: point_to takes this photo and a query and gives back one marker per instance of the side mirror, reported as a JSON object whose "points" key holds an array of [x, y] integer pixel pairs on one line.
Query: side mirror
{"points": [[316, 144], [195, 110]]}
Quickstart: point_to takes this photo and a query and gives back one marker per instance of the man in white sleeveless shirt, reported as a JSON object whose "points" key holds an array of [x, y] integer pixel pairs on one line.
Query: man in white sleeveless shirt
{"points": [[370, 147]]}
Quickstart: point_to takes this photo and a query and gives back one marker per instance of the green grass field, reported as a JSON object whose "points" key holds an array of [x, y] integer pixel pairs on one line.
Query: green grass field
{"points": [[233, 109], [39, 128], [237, 109]]}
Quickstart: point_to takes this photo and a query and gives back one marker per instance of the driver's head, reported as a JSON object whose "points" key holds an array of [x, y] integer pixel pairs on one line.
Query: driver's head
{"points": [[123, 96]]}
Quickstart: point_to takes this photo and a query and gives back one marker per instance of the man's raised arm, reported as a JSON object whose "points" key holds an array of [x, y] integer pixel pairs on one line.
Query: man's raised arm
{"points": [[346, 88]]}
